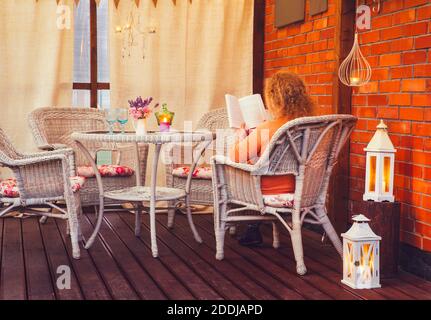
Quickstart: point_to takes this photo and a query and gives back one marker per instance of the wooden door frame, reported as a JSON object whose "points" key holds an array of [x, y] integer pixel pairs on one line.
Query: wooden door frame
{"points": [[338, 206], [258, 45]]}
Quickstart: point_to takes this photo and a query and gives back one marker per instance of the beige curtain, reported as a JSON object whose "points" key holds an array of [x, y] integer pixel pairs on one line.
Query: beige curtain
{"points": [[200, 52], [36, 53]]}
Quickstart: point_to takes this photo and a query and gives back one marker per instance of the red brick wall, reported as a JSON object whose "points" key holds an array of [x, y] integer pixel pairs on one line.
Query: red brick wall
{"points": [[398, 50], [306, 49]]}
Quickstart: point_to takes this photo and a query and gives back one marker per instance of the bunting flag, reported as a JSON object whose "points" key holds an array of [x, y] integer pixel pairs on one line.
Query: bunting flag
{"points": [[117, 2]]}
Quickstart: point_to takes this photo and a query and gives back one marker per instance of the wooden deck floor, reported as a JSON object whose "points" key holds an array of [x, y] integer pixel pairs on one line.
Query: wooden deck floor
{"points": [[120, 266]]}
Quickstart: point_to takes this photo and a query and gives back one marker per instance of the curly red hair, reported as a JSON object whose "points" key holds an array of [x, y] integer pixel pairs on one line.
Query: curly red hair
{"points": [[286, 95]]}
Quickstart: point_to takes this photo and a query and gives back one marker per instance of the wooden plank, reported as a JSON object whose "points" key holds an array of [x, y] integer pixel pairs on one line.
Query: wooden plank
{"points": [[171, 287], [57, 256], [137, 276], [1, 248], [13, 284], [314, 276], [414, 280], [39, 285], [173, 258], [280, 274], [118, 286], [265, 280], [330, 270], [327, 256], [284, 292], [91, 283], [235, 275], [227, 285], [392, 288]]}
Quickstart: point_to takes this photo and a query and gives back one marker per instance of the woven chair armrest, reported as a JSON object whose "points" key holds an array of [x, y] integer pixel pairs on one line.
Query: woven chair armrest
{"points": [[238, 179], [36, 159], [65, 151], [52, 146], [219, 159]]}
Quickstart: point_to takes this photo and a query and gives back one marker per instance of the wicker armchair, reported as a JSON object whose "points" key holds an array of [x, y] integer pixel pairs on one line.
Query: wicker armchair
{"points": [[52, 128], [306, 147], [201, 189], [42, 179]]}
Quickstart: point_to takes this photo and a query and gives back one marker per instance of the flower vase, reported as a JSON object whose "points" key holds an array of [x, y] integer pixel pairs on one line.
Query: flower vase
{"points": [[141, 127]]}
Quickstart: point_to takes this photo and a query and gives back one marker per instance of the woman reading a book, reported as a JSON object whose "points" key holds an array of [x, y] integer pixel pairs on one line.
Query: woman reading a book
{"points": [[286, 99]]}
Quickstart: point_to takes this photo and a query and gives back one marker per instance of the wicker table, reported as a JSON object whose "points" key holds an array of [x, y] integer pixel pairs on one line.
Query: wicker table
{"points": [[138, 194]]}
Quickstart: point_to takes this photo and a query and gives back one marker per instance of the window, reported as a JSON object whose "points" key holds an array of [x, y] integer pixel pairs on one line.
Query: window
{"points": [[91, 62]]}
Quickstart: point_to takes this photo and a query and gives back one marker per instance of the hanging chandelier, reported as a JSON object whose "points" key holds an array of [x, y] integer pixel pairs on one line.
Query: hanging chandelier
{"points": [[134, 35]]}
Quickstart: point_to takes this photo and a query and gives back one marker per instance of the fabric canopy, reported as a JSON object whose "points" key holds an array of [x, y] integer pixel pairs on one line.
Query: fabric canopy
{"points": [[36, 59], [198, 53]]}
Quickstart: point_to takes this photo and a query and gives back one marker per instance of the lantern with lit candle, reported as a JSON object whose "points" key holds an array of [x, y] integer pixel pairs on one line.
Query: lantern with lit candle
{"points": [[165, 118], [379, 178], [361, 255]]}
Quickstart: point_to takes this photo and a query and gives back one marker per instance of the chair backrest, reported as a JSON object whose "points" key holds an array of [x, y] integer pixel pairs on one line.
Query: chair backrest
{"points": [[213, 120], [7, 150], [307, 147], [54, 125]]}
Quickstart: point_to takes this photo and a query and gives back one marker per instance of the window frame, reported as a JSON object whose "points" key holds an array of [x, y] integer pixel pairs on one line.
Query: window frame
{"points": [[94, 85]]}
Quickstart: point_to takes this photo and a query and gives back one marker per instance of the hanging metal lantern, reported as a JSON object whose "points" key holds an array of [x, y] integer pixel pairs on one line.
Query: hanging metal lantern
{"points": [[355, 70]]}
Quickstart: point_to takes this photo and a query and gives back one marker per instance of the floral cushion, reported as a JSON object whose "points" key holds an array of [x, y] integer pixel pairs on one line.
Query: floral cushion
{"points": [[106, 171], [77, 183], [279, 200], [9, 189], [200, 172]]}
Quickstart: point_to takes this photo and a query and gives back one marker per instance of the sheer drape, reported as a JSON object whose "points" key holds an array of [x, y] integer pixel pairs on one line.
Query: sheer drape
{"points": [[36, 59], [200, 52]]}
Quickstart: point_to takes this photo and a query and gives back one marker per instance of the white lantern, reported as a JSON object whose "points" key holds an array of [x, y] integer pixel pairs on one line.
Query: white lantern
{"points": [[361, 255], [379, 180]]}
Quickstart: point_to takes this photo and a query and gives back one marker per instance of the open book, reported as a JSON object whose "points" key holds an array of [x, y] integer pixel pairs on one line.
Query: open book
{"points": [[249, 110]]}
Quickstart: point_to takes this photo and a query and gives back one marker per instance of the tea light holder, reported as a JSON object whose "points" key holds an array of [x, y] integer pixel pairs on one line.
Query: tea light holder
{"points": [[164, 118]]}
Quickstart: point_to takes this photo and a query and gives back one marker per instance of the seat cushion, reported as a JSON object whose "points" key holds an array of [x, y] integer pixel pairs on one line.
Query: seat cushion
{"points": [[9, 188], [279, 200], [106, 171], [77, 183], [199, 173]]}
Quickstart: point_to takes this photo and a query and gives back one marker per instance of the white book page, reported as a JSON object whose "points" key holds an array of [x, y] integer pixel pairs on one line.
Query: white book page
{"points": [[234, 113], [253, 110]]}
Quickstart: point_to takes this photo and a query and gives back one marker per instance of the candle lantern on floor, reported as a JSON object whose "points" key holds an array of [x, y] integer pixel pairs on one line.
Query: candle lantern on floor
{"points": [[361, 255], [165, 118], [379, 180]]}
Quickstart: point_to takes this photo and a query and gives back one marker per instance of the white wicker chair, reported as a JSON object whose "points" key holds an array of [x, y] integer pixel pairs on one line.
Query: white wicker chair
{"points": [[43, 179], [201, 189], [52, 128], [307, 148]]}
